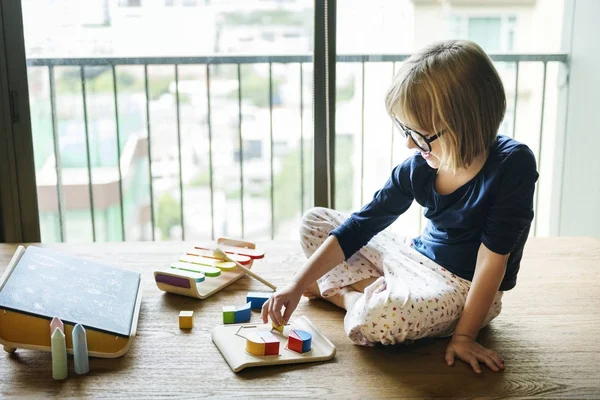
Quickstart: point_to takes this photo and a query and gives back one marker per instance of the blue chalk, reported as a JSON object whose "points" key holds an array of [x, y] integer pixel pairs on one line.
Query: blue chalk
{"points": [[258, 299], [80, 350]]}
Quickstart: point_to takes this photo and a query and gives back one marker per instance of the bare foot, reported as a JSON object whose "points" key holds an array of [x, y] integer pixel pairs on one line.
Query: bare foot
{"points": [[345, 298], [312, 291]]}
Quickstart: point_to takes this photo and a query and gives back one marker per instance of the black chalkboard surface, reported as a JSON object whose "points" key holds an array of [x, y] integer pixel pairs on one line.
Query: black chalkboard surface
{"points": [[49, 284]]}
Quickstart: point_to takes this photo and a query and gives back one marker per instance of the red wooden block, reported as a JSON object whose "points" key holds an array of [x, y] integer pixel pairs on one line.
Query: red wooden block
{"points": [[271, 344], [294, 342]]}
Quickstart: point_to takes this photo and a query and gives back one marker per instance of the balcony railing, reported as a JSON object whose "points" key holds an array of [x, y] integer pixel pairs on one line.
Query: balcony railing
{"points": [[127, 162]]}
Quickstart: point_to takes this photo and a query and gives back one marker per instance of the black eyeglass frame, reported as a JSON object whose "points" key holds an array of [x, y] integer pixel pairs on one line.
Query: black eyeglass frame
{"points": [[406, 131]]}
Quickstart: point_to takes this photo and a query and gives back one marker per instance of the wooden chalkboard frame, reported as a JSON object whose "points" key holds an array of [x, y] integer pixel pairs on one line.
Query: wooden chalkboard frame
{"points": [[15, 326]]}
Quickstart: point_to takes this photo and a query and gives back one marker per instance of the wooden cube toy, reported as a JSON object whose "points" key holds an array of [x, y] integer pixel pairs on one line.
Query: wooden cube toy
{"points": [[299, 341], [186, 320], [258, 299]]}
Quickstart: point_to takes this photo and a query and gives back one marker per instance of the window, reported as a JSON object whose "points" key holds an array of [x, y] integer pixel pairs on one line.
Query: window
{"points": [[495, 34], [130, 3], [185, 3]]}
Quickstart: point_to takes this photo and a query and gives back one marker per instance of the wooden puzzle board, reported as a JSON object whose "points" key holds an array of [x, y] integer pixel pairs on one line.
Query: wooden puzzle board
{"points": [[233, 346], [206, 288]]}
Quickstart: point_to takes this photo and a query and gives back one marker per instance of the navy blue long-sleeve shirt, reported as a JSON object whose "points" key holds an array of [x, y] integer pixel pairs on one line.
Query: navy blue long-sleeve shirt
{"points": [[494, 208]]}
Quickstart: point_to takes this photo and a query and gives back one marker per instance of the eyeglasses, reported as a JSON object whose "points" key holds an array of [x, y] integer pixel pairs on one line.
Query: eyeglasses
{"points": [[422, 142]]}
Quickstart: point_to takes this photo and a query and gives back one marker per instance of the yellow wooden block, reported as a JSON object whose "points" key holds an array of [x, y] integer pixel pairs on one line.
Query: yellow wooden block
{"points": [[186, 320], [279, 328], [255, 345]]}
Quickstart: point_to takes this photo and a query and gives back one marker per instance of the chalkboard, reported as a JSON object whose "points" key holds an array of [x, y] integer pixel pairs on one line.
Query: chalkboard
{"points": [[49, 284]]}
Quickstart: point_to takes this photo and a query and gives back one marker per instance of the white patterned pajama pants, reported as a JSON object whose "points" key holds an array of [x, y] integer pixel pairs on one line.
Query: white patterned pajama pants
{"points": [[412, 297]]}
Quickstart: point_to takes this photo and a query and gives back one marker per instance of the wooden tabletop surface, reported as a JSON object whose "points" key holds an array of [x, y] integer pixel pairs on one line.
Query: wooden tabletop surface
{"points": [[548, 333]]}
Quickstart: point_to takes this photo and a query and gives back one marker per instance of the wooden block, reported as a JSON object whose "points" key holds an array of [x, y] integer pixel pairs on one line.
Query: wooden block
{"points": [[231, 340], [271, 343], [59, 354], [229, 315], [255, 344], [299, 341], [243, 314], [186, 320], [279, 328], [80, 350], [258, 299], [200, 269]]}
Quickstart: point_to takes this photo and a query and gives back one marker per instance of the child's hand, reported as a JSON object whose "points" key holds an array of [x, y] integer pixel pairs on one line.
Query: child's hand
{"points": [[472, 352], [288, 297]]}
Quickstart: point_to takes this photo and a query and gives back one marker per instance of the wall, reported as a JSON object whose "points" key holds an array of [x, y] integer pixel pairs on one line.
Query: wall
{"points": [[579, 194]]}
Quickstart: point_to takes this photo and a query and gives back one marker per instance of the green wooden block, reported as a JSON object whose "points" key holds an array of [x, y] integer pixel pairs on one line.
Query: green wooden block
{"points": [[229, 315]]}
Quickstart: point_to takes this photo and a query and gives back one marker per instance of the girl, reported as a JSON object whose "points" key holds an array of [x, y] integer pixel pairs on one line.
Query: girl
{"points": [[476, 187]]}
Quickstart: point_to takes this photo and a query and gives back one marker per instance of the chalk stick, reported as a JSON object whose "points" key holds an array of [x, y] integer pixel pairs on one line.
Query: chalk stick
{"points": [[59, 355], [56, 323], [80, 350]]}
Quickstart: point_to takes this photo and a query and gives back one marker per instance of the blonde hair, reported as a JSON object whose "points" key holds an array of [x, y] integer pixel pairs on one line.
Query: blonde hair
{"points": [[450, 86]]}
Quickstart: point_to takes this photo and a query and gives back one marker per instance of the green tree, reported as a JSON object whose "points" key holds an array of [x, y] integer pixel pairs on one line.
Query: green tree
{"points": [[287, 182], [169, 214]]}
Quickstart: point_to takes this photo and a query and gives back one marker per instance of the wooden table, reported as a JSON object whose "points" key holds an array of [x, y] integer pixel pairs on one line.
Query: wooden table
{"points": [[548, 334]]}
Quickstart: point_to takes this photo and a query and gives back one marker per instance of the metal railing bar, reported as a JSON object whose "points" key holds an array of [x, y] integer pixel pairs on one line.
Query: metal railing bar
{"points": [[118, 133], [210, 160], [516, 98], [271, 150], [87, 150], [239, 76], [392, 123], [108, 61], [301, 140], [149, 149], [179, 150], [57, 163], [279, 59], [362, 133], [539, 153]]}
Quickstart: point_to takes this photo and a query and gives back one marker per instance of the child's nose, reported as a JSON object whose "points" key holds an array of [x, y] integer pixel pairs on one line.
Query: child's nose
{"points": [[408, 142]]}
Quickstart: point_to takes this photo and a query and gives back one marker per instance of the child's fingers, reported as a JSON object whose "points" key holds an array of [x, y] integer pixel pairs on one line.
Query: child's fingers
{"points": [[489, 362], [289, 309], [275, 311], [450, 357], [475, 364], [264, 312], [497, 359]]}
